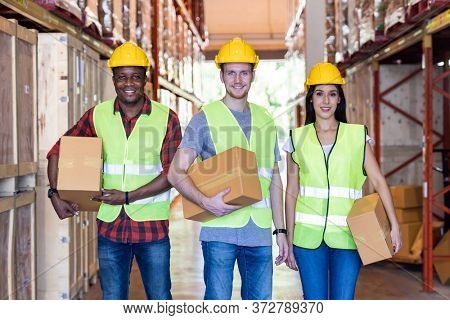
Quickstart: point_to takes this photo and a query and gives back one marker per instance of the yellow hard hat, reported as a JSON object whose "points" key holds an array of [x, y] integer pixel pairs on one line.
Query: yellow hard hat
{"points": [[236, 50], [128, 55], [323, 73]]}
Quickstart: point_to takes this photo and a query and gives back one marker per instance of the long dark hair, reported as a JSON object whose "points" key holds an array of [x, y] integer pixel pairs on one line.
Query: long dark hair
{"points": [[340, 114]]}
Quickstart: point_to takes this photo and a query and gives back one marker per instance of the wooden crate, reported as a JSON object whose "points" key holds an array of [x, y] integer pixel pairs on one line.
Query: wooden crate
{"points": [[8, 130], [68, 91], [92, 250], [91, 96], [358, 95], [59, 265], [91, 92], [107, 90], [17, 247], [26, 42], [24, 246], [6, 247], [76, 248], [89, 253], [18, 160], [76, 80]]}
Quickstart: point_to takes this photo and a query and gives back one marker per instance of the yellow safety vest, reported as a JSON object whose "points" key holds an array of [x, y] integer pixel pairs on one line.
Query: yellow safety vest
{"points": [[129, 163], [328, 186], [262, 142]]}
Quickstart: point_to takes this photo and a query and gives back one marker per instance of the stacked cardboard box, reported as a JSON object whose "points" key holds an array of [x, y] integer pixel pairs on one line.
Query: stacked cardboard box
{"points": [[70, 10], [408, 209], [395, 15], [442, 265]]}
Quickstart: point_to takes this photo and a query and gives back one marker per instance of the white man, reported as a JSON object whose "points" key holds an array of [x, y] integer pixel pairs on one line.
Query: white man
{"points": [[235, 234]]}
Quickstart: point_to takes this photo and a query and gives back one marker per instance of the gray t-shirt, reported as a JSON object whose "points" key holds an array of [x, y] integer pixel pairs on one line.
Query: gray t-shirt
{"points": [[198, 138]]}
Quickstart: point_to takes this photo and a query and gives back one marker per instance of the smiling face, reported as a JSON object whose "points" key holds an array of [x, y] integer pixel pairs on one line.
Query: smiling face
{"points": [[325, 99], [129, 83], [237, 78]]}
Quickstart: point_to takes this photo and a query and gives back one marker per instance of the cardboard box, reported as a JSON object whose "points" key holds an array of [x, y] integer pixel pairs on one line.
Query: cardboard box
{"points": [[370, 228], [407, 196], [409, 232], [235, 168], [409, 215], [442, 265], [79, 171]]}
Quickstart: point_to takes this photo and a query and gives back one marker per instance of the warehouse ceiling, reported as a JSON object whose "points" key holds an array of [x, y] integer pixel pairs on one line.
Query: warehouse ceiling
{"points": [[263, 23]]}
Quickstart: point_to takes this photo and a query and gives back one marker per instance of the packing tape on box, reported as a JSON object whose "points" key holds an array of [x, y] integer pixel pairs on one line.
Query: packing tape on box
{"points": [[93, 162], [231, 174], [90, 162], [66, 163]]}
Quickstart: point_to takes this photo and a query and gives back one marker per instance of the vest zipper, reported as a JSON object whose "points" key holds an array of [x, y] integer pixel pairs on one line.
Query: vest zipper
{"points": [[326, 158]]}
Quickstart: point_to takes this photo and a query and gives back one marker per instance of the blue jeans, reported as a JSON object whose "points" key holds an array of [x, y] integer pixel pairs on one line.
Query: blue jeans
{"points": [[328, 273], [255, 266], [115, 261]]}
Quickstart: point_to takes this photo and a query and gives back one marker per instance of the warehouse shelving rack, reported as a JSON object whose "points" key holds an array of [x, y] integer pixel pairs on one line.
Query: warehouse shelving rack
{"points": [[34, 16], [423, 45]]}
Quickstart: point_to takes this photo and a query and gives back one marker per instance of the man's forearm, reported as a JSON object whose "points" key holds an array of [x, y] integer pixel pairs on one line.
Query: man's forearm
{"points": [[186, 187], [52, 170], [158, 185]]}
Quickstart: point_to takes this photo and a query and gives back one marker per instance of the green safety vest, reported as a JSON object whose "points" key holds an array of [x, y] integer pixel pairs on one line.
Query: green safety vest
{"points": [[129, 163], [226, 133], [328, 187]]}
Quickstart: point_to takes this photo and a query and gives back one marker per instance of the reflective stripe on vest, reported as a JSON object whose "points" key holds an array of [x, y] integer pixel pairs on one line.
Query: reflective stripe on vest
{"points": [[262, 142], [165, 196], [263, 204], [134, 169], [328, 186], [265, 173], [318, 220], [337, 192], [134, 161]]}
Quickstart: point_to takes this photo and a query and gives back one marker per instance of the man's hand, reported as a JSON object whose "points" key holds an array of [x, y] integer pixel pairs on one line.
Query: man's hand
{"points": [[283, 249], [217, 206], [111, 196], [63, 208]]}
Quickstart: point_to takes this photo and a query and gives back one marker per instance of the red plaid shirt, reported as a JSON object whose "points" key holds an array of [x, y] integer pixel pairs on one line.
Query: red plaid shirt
{"points": [[124, 229]]}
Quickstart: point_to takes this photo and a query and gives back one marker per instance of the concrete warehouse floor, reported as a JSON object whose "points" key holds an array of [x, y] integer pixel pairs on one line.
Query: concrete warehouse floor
{"points": [[383, 280]]}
